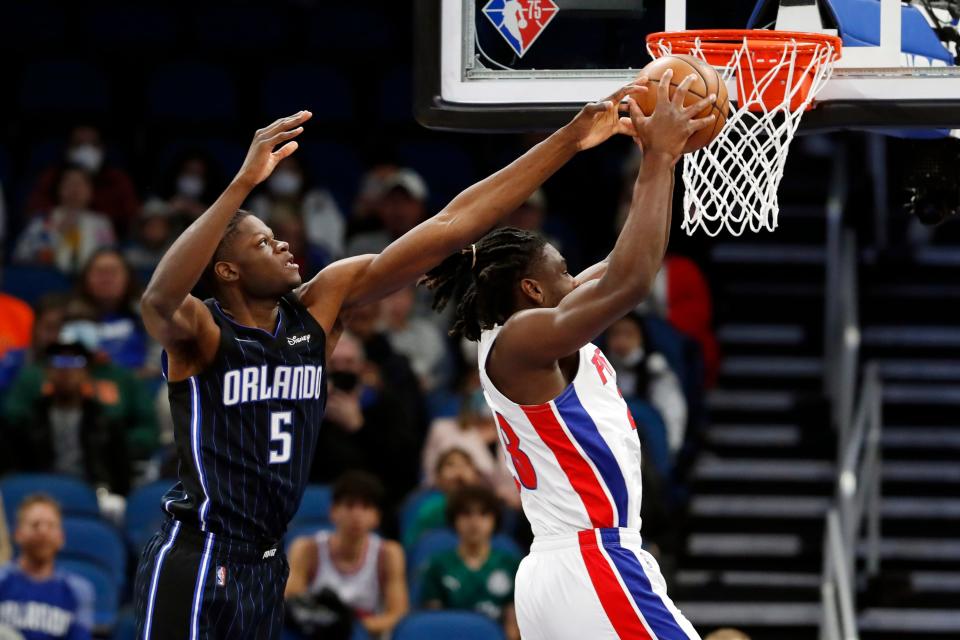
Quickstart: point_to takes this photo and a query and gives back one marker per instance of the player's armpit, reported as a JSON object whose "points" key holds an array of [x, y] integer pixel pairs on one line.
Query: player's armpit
{"points": [[189, 334], [334, 289]]}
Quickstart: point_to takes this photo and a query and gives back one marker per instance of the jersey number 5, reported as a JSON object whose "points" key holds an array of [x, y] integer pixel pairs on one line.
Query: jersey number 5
{"points": [[521, 462], [277, 435]]}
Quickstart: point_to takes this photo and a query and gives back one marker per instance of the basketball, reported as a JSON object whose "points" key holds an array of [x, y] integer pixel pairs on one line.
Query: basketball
{"points": [[707, 82]]}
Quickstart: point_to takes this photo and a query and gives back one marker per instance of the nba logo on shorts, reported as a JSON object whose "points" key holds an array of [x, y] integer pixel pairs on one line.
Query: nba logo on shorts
{"points": [[221, 576], [520, 22]]}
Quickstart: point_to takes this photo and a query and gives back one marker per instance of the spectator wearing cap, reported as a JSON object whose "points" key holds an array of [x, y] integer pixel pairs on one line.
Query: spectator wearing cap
{"points": [[287, 195], [474, 576], [112, 190], [402, 205], [70, 231], [156, 231], [36, 599], [119, 395], [66, 430]]}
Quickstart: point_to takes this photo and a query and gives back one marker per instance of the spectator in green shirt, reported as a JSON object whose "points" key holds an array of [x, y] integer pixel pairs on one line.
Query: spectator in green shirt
{"points": [[474, 576], [454, 470]]}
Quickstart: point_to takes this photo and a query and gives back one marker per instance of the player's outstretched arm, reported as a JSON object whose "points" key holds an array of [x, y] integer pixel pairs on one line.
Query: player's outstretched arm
{"points": [[611, 289], [170, 313], [473, 212]]}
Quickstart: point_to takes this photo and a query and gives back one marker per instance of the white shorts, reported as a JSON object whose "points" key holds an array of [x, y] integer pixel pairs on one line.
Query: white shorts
{"points": [[595, 584]]}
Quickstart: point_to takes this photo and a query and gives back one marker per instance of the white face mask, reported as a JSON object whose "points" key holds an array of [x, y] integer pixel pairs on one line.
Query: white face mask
{"points": [[190, 185], [284, 183], [88, 156]]}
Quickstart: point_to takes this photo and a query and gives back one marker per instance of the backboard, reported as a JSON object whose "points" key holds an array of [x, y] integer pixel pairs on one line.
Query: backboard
{"points": [[530, 64]]}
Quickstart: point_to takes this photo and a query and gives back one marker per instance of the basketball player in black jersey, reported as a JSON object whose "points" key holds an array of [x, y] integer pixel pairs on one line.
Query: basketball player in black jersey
{"points": [[247, 380]]}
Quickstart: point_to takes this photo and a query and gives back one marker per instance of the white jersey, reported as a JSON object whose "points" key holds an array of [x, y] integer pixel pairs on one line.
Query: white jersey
{"points": [[575, 458], [359, 589]]}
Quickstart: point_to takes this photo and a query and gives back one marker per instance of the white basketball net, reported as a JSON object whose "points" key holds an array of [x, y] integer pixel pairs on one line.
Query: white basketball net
{"points": [[732, 182]]}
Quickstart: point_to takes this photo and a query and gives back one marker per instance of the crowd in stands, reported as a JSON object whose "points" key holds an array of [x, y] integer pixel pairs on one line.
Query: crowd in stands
{"points": [[424, 513]]}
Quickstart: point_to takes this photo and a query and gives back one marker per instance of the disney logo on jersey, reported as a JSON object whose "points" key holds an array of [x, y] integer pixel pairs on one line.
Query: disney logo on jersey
{"points": [[298, 339]]}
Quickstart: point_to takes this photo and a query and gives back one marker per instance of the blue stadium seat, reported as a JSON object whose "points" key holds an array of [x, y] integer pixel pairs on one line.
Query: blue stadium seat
{"points": [[315, 506], [235, 28], [30, 283], [64, 86], [303, 530], [144, 513], [126, 26], [396, 96], [32, 26], [334, 166], [98, 542], [76, 498], [126, 627], [106, 589], [350, 27], [411, 505], [192, 92], [449, 625], [322, 90]]}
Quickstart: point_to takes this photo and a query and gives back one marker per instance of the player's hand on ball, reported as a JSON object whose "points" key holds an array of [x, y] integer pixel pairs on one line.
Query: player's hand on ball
{"points": [[671, 124], [599, 121], [266, 151]]}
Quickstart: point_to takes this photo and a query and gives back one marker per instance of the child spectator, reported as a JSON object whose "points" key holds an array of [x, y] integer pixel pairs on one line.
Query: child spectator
{"points": [[352, 563], [108, 287], [68, 233], [454, 471], [474, 432], [66, 430], [36, 599], [645, 374], [112, 190], [288, 193], [474, 576]]}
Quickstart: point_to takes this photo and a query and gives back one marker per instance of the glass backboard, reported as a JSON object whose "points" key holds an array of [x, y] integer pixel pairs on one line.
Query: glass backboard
{"points": [[529, 64]]}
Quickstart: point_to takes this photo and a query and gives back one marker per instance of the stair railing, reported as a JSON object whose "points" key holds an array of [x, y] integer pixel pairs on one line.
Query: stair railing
{"points": [[857, 500]]}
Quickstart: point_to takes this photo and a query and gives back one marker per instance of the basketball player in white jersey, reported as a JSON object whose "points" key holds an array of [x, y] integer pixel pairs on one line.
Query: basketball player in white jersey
{"points": [[366, 572], [567, 434]]}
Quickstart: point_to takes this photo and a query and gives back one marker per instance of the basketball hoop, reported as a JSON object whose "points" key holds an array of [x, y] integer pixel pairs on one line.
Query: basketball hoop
{"points": [[732, 182]]}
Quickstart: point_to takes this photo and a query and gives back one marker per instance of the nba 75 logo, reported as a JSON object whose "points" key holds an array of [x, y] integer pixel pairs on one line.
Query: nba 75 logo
{"points": [[520, 22]]}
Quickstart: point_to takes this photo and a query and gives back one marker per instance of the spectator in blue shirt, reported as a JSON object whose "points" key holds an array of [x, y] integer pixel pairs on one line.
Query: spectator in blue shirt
{"points": [[36, 599]]}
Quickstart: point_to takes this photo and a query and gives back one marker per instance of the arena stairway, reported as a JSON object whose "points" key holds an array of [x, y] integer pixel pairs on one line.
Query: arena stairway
{"points": [[908, 314], [763, 479]]}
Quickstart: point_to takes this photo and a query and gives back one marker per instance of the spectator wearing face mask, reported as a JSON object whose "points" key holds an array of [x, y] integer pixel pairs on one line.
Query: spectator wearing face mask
{"points": [[66, 429], [71, 231], [646, 375], [192, 185], [365, 426], [113, 192], [288, 194]]}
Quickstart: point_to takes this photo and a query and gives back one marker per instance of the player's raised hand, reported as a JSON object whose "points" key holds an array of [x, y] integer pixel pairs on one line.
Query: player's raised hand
{"points": [[671, 124], [270, 145], [599, 121]]}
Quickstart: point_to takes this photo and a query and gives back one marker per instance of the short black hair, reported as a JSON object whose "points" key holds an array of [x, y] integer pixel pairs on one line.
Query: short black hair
{"points": [[470, 497], [483, 277], [209, 276], [359, 486]]}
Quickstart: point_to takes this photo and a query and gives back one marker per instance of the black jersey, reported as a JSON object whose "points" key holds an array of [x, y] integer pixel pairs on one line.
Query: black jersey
{"points": [[246, 427]]}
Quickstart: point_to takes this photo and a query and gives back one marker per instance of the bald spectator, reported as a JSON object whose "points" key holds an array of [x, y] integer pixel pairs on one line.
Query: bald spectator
{"points": [[113, 192]]}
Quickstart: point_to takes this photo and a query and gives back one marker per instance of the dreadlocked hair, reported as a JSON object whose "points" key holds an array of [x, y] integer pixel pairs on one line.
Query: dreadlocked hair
{"points": [[209, 279], [483, 277]]}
